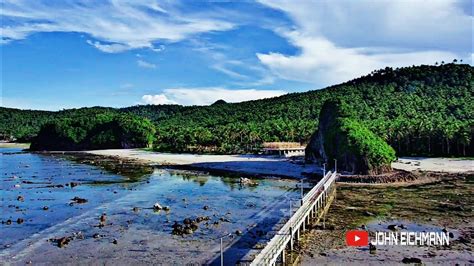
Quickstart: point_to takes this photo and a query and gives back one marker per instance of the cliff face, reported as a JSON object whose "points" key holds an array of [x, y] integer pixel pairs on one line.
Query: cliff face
{"points": [[356, 149]]}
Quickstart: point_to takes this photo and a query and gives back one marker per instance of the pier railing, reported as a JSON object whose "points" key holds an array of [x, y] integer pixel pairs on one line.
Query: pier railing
{"points": [[313, 206]]}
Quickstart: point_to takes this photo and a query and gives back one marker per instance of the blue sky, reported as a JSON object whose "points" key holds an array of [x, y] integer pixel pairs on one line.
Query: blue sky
{"points": [[69, 54]]}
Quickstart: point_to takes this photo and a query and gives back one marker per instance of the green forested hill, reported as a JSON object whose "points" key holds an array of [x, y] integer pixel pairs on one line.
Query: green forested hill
{"points": [[422, 110], [106, 130]]}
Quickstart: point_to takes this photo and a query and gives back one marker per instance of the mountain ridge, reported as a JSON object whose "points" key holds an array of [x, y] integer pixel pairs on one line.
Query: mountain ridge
{"points": [[430, 104]]}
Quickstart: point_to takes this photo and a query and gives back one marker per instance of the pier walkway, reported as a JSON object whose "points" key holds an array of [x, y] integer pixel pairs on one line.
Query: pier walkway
{"points": [[314, 206]]}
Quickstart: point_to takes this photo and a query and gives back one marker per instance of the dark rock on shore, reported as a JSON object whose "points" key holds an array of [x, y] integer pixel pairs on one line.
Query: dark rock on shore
{"points": [[392, 227], [411, 260], [189, 225], [79, 200], [340, 137]]}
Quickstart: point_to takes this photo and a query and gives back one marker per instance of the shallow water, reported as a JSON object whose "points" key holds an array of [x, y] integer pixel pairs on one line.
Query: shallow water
{"points": [[143, 235]]}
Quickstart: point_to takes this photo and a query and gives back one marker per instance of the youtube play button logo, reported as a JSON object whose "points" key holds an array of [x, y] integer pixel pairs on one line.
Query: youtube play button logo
{"points": [[357, 238]]}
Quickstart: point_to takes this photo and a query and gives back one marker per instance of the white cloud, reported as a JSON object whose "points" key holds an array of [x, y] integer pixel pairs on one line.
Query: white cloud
{"points": [[119, 25], [206, 96], [109, 48], [341, 40], [157, 99], [321, 62], [145, 64]]}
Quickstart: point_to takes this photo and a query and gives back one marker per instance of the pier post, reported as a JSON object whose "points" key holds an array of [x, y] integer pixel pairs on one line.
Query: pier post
{"points": [[222, 254], [291, 238], [324, 221], [283, 257]]}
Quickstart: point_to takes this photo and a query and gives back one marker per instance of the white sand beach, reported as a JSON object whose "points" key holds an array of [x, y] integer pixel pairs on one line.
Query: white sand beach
{"points": [[246, 164], [450, 165], [276, 166]]}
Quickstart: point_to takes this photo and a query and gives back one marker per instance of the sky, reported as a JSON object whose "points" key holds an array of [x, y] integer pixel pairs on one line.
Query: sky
{"points": [[72, 53]]}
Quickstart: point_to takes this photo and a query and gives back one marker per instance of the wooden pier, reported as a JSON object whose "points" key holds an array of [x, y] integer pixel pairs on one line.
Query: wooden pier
{"points": [[314, 206]]}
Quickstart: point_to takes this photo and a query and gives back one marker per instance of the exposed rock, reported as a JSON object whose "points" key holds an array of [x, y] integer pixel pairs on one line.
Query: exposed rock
{"points": [[238, 232], [157, 207], [411, 260], [166, 208], [223, 219], [102, 219], [62, 242], [205, 208], [202, 218], [247, 181], [356, 149], [20, 198], [372, 248], [19, 220], [193, 226], [188, 230], [392, 227], [115, 241], [79, 200], [45, 208]]}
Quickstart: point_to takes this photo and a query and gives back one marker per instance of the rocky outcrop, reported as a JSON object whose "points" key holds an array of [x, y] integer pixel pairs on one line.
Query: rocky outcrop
{"points": [[356, 149]]}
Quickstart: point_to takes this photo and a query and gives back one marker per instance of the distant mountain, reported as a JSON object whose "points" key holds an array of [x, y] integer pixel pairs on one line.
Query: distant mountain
{"points": [[419, 110]]}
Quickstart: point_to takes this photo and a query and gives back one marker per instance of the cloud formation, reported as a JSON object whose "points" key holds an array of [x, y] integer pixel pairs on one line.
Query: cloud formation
{"points": [[117, 25], [341, 40], [206, 96], [322, 62], [145, 64], [157, 99]]}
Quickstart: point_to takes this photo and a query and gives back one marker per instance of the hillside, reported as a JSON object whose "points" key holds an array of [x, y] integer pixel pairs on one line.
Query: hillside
{"points": [[100, 131], [419, 110]]}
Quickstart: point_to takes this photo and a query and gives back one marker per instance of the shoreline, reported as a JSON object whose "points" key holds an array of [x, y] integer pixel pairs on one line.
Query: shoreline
{"points": [[242, 165], [406, 170], [279, 167]]}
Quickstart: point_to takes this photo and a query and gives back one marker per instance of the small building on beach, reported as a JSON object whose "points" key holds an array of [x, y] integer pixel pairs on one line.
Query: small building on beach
{"points": [[286, 149]]}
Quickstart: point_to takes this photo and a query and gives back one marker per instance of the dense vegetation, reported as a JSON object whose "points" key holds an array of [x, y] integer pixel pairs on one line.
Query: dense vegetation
{"points": [[100, 131], [423, 110], [356, 148]]}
